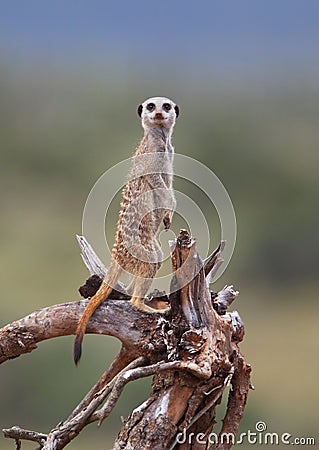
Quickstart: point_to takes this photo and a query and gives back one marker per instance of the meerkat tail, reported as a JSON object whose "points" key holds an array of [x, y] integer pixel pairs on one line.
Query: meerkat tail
{"points": [[102, 294]]}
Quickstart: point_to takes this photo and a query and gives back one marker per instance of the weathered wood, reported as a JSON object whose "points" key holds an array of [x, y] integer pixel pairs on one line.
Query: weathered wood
{"points": [[18, 433], [93, 262], [191, 351], [117, 318], [179, 399]]}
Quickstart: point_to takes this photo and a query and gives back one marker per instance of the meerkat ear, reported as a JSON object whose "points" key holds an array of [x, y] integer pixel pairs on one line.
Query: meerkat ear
{"points": [[176, 110], [139, 110]]}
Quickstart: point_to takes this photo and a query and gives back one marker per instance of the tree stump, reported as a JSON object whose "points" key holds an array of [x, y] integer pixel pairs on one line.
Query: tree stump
{"points": [[191, 351]]}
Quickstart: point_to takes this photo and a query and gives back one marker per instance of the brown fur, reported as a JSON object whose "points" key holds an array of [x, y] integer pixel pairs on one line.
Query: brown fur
{"points": [[148, 200]]}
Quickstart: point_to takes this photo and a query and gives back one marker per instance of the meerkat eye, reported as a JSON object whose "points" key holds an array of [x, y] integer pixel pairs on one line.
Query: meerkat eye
{"points": [[167, 107], [150, 107]]}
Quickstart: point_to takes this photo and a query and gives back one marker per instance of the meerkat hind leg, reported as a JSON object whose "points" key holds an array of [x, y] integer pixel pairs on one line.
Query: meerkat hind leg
{"points": [[138, 302], [130, 287], [141, 286]]}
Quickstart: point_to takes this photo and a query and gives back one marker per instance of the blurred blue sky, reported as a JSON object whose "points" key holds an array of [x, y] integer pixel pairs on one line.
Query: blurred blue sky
{"points": [[237, 35]]}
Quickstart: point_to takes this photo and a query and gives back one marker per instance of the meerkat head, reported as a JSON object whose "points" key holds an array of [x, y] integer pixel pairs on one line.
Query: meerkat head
{"points": [[158, 112]]}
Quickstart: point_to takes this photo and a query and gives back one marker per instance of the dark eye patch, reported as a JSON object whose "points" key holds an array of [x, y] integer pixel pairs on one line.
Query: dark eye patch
{"points": [[167, 107], [150, 107]]}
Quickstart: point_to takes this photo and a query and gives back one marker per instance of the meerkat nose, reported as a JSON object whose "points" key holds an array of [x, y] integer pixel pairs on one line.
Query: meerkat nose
{"points": [[158, 116]]}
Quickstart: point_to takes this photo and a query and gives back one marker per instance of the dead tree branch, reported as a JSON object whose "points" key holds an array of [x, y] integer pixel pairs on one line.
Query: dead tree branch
{"points": [[191, 351]]}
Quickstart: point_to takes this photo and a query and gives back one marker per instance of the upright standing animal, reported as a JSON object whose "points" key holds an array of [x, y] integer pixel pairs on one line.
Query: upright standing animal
{"points": [[148, 199]]}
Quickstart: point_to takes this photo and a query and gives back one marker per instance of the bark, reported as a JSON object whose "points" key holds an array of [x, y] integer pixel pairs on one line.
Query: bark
{"points": [[192, 352]]}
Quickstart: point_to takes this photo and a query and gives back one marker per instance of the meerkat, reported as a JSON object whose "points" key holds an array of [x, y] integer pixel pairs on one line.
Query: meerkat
{"points": [[148, 200]]}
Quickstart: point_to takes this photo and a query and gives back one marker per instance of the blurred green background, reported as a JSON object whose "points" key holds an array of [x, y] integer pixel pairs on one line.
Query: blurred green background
{"points": [[246, 79]]}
